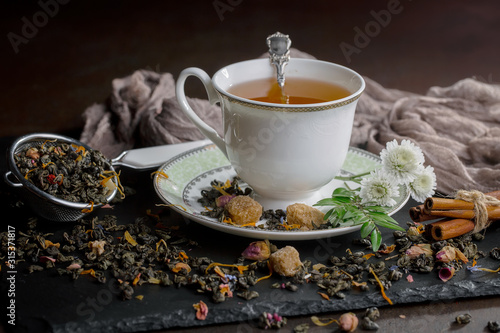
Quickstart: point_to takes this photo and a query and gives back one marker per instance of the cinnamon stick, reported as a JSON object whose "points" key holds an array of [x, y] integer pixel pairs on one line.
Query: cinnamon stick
{"points": [[447, 229], [434, 203], [418, 215]]}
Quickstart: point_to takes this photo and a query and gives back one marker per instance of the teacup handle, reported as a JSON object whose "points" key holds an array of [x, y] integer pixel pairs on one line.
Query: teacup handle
{"points": [[213, 98]]}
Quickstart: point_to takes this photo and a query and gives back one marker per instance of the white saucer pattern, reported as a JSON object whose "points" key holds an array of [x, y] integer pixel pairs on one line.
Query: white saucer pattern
{"points": [[192, 171]]}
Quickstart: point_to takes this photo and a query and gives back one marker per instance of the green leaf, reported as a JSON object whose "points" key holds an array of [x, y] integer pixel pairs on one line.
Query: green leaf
{"points": [[366, 229], [376, 239], [389, 225], [326, 202], [328, 214], [376, 209], [386, 221], [342, 191]]}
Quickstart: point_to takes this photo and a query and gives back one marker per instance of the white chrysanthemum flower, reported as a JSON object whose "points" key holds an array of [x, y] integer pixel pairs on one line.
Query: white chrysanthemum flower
{"points": [[424, 184], [402, 162], [378, 189]]}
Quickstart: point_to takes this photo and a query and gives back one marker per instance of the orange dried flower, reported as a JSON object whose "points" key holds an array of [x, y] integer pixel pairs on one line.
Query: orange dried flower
{"points": [[180, 265], [201, 310]]}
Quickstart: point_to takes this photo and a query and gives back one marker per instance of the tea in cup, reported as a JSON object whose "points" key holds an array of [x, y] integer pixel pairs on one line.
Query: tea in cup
{"points": [[285, 146]]}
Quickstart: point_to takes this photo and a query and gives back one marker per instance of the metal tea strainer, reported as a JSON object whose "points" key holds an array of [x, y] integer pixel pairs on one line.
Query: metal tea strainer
{"points": [[42, 203]]}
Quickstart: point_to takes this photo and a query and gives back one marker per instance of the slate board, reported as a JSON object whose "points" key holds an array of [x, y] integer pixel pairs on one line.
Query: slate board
{"points": [[47, 302]]}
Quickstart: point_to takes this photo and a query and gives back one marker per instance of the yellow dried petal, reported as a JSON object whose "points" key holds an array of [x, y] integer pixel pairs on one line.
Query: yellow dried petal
{"points": [[129, 238], [319, 322]]}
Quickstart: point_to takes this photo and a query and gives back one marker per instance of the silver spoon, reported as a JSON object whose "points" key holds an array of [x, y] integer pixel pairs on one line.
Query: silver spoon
{"points": [[279, 54]]}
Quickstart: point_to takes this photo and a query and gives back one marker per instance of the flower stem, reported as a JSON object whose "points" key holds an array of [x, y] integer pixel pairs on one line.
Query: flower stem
{"points": [[352, 178]]}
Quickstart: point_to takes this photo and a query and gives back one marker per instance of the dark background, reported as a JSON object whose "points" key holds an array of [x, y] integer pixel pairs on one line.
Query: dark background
{"points": [[52, 73]]}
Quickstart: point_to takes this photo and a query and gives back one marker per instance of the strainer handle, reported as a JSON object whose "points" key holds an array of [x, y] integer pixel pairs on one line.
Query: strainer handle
{"points": [[8, 181]]}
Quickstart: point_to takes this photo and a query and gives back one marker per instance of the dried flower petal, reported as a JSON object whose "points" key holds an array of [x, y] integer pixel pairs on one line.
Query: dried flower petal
{"points": [[136, 280], [416, 250], [201, 310], [446, 255], [259, 251], [129, 238], [179, 266], [446, 273], [348, 322], [46, 258], [226, 290], [318, 322], [461, 256], [73, 266], [223, 200], [219, 272], [325, 296], [388, 250], [48, 243]]}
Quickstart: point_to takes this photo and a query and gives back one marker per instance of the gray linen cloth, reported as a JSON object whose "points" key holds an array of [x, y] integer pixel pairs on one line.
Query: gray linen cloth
{"points": [[457, 127]]}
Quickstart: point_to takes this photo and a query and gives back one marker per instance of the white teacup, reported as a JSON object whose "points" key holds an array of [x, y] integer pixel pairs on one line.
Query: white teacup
{"points": [[285, 152]]}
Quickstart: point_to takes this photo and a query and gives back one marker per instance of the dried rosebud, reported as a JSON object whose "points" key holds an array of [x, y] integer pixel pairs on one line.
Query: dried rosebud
{"points": [[223, 200], [348, 322], [446, 273], [259, 251], [446, 255], [450, 253], [416, 250], [201, 310]]}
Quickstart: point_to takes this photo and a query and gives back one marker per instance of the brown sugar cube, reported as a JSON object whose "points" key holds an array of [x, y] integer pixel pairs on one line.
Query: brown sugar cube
{"points": [[304, 216], [285, 261], [244, 210]]}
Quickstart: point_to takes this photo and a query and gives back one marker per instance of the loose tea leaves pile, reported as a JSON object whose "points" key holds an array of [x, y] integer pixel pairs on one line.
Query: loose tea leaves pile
{"points": [[216, 199], [152, 251], [144, 252], [68, 171]]}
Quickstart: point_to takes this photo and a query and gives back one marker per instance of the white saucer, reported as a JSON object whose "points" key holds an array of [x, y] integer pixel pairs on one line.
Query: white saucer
{"points": [[192, 171]]}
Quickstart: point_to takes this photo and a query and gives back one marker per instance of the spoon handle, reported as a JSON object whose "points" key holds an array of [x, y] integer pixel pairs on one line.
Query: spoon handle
{"points": [[279, 54]]}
